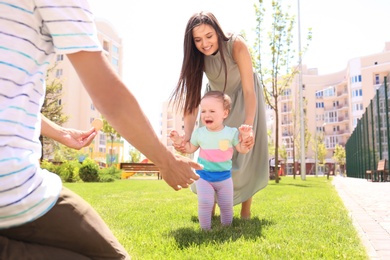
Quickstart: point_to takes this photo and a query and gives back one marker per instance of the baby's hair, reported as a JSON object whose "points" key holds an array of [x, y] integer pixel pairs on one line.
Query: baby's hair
{"points": [[225, 99]]}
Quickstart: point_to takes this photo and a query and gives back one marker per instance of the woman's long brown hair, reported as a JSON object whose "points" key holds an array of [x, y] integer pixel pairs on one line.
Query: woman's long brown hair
{"points": [[187, 93]]}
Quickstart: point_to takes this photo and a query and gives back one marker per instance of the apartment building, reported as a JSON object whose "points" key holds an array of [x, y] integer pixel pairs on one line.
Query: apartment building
{"points": [[79, 106], [333, 103]]}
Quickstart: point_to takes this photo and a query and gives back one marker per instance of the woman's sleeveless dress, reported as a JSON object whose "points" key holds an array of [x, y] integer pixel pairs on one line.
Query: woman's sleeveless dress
{"points": [[250, 171]]}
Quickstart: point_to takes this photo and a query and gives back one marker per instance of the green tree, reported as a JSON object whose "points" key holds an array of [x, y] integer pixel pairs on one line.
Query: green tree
{"points": [[135, 155], [321, 153], [340, 157], [275, 54], [52, 109], [112, 134]]}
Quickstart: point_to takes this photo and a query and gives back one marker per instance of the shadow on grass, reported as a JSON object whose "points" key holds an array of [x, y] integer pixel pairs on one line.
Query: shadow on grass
{"points": [[247, 229]]}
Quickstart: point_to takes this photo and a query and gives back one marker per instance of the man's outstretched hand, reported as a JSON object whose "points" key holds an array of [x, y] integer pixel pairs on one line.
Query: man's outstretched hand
{"points": [[179, 173]]}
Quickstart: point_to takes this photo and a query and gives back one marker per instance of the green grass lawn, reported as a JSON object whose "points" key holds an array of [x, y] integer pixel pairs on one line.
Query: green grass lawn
{"points": [[293, 219]]}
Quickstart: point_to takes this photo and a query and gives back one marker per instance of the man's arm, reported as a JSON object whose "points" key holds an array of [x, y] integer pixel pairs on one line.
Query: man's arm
{"points": [[72, 138]]}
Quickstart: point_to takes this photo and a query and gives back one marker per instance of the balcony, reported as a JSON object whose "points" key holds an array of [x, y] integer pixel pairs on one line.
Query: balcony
{"points": [[342, 93], [341, 106], [286, 122]]}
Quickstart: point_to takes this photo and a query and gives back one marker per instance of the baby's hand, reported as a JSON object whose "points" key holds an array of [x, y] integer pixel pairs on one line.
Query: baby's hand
{"points": [[175, 137], [246, 133]]}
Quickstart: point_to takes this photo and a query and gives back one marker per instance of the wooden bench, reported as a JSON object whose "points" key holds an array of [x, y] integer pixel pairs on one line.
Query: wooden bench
{"points": [[380, 174], [129, 169]]}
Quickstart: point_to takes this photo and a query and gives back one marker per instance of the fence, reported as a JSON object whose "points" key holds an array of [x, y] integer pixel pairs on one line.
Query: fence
{"points": [[369, 142]]}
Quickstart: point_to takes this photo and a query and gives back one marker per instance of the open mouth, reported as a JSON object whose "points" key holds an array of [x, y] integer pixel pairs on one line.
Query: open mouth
{"points": [[208, 122]]}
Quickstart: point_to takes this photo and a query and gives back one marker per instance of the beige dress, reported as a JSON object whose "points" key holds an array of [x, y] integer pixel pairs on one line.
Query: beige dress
{"points": [[250, 171]]}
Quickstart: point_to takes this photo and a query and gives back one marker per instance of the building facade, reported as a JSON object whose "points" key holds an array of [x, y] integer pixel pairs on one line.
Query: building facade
{"points": [[333, 104]]}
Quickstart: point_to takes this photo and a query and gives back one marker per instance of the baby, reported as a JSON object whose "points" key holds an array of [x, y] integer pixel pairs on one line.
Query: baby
{"points": [[216, 142]]}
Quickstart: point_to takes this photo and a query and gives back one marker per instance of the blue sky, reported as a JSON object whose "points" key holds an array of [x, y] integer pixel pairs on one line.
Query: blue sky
{"points": [[152, 33]]}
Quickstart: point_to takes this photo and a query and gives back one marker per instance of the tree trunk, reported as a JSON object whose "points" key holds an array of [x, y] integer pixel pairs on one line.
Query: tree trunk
{"points": [[112, 145], [294, 165]]}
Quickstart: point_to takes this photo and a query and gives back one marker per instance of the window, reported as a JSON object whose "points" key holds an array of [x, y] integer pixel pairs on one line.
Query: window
{"points": [[58, 73], [115, 49], [331, 142], [382, 107], [102, 139], [114, 61], [329, 92], [357, 107], [377, 79], [319, 94], [287, 92], [331, 117], [357, 78], [106, 45], [285, 120], [60, 57], [357, 93], [320, 129]]}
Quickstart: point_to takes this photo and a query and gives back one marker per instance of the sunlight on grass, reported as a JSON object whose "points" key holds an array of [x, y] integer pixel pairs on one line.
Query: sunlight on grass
{"points": [[293, 219]]}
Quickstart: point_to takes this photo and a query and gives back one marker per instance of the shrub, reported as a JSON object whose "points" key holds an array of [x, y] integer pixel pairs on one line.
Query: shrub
{"points": [[106, 178], [69, 171], [112, 171], [45, 164], [89, 170]]}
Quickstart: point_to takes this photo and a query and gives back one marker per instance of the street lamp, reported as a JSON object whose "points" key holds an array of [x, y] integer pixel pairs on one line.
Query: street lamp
{"points": [[302, 120], [315, 134], [316, 142]]}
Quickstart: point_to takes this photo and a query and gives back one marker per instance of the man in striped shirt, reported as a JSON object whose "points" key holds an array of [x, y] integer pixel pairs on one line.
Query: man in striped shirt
{"points": [[40, 219]]}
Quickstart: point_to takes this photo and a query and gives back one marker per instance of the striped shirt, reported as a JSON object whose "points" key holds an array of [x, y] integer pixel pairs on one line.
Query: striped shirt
{"points": [[31, 33], [216, 151]]}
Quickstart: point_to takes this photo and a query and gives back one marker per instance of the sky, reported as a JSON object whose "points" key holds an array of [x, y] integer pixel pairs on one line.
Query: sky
{"points": [[152, 34]]}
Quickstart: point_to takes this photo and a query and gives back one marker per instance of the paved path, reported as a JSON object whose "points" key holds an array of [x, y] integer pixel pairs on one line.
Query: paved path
{"points": [[369, 206]]}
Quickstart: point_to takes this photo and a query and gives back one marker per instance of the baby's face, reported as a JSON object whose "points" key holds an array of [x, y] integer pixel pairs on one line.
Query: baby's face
{"points": [[212, 113]]}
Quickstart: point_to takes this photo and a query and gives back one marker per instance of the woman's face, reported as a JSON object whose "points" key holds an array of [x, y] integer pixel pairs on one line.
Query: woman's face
{"points": [[205, 39], [212, 113]]}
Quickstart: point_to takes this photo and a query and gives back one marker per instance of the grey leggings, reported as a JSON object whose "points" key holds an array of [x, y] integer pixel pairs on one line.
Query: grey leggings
{"points": [[72, 229]]}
